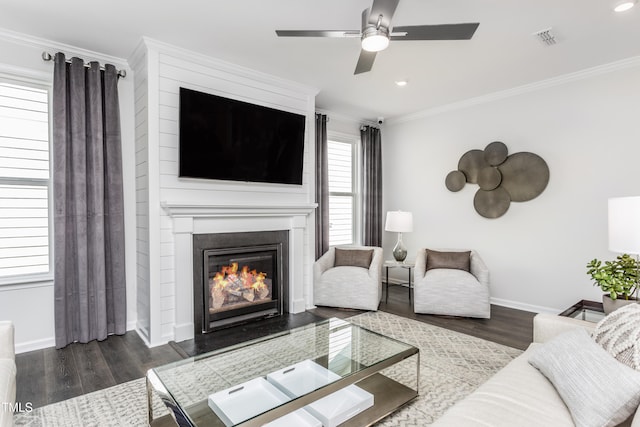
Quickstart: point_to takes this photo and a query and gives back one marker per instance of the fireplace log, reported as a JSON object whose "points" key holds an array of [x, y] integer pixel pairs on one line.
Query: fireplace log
{"points": [[218, 296], [263, 292], [248, 294], [234, 286]]}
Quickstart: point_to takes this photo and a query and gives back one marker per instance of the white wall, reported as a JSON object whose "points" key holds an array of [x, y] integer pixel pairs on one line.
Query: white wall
{"points": [[585, 127], [162, 69], [30, 306]]}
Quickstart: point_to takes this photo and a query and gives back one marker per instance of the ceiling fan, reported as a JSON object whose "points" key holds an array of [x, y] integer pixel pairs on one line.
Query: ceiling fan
{"points": [[377, 31]]}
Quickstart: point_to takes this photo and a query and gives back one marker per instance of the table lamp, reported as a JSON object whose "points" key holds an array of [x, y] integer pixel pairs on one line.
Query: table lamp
{"points": [[624, 225], [399, 222]]}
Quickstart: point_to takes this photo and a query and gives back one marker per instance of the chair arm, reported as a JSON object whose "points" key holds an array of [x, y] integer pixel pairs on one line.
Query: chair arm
{"points": [[325, 262], [479, 269], [547, 326], [7, 345], [375, 268], [420, 268]]}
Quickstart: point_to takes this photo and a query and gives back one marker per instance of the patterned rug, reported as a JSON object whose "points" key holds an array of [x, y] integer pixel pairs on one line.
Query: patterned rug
{"points": [[452, 365]]}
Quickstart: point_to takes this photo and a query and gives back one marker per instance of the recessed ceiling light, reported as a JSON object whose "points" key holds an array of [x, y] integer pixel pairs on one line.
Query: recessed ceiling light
{"points": [[624, 6], [401, 83]]}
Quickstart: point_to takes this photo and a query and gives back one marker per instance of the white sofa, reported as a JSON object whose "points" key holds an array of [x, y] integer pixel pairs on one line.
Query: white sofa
{"points": [[519, 395], [7, 373]]}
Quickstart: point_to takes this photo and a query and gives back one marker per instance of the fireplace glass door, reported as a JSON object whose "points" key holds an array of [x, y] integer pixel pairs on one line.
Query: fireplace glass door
{"points": [[241, 283]]}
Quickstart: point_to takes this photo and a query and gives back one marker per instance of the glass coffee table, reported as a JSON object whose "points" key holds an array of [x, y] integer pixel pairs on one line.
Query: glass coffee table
{"points": [[331, 372]]}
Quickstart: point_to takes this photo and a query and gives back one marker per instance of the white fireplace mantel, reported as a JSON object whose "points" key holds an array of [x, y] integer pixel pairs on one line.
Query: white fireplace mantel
{"points": [[177, 210], [189, 219]]}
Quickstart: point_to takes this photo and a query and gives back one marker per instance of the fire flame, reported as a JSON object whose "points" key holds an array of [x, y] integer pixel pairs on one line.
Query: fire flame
{"points": [[248, 278]]}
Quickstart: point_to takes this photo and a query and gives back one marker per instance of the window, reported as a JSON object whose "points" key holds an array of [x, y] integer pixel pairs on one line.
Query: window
{"points": [[24, 181], [342, 194]]}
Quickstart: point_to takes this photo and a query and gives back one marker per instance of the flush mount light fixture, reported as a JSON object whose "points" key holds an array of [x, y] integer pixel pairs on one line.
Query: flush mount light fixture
{"points": [[375, 39], [625, 5], [401, 83]]}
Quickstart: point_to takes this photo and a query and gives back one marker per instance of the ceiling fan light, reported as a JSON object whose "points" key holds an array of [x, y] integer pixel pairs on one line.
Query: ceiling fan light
{"points": [[624, 6], [375, 40]]}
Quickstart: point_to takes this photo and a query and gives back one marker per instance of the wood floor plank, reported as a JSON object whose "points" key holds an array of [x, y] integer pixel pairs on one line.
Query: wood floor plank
{"points": [[149, 357], [92, 367], [31, 379], [123, 364], [61, 375]]}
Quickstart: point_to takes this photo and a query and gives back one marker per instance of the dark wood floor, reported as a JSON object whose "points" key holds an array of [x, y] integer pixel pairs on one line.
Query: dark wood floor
{"points": [[49, 375]]}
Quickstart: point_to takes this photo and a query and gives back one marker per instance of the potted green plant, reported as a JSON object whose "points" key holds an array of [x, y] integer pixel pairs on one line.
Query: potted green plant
{"points": [[618, 277]]}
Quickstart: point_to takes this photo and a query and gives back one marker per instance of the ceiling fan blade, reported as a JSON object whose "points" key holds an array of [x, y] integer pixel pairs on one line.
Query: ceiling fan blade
{"points": [[435, 32], [386, 8], [318, 33], [365, 62]]}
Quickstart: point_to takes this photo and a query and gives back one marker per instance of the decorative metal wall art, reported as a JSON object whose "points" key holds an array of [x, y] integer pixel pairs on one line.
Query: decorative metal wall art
{"points": [[502, 178]]}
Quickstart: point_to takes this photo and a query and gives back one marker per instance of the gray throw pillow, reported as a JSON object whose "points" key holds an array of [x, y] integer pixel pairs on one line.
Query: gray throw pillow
{"points": [[354, 257], [619, 335], [598, 390], [453, 260]]}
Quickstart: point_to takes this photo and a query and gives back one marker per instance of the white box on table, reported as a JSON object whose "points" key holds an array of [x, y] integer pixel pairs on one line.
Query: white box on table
{"points": [[244, 401], [334, 409]]}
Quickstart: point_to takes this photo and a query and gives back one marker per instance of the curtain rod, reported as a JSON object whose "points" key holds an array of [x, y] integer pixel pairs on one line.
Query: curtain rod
{"points": [[46, 56]]}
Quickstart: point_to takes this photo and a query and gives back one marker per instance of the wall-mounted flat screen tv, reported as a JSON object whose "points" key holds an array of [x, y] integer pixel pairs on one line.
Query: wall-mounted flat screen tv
{"points": [[226, 139]]}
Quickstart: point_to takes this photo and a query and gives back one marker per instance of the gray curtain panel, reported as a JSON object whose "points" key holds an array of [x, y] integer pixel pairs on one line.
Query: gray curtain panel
{"points": [[89, 282], [371, 186], [322, 186]]}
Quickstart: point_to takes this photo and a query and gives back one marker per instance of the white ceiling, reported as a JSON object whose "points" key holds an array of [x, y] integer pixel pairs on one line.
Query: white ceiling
{"points": [[502, 54]]}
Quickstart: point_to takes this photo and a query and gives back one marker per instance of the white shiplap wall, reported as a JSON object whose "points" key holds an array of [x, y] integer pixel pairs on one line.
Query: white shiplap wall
{"points": [[142, 195], [168, 68]]}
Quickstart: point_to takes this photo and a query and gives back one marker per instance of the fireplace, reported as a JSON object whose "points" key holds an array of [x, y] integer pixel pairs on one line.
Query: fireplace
{"points": [[239, 277]]}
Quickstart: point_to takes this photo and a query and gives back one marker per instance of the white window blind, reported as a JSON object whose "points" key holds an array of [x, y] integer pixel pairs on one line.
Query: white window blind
{"points": [[24, 180], [341, 193]]}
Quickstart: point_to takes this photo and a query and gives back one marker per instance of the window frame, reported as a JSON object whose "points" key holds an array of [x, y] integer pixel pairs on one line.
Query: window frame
{"points": [[354, 141], [39, 82]]}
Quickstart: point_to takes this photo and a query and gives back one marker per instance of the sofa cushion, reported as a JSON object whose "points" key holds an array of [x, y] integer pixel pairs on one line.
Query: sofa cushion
{"points": [[453, 260], [619, 335], [517, 395], [353, 257], [597, 389]]}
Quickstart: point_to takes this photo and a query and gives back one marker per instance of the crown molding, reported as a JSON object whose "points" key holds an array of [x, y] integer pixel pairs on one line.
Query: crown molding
{"points": [[50, 45], [347, 119], [520, 90]]}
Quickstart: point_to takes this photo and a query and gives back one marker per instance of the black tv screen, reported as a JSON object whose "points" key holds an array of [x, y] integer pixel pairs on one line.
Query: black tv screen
{"points": [[226, 139]]}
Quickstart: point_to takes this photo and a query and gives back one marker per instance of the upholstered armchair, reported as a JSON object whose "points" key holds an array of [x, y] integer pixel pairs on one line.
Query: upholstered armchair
{"points": [[349, 277], [451, 283]]}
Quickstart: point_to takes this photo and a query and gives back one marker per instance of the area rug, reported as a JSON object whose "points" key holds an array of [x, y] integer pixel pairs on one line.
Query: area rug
{"points": [[452, 365]]}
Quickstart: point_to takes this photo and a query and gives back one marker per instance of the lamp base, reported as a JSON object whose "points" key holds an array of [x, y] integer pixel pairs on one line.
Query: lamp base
{"points": [[399, 250]]}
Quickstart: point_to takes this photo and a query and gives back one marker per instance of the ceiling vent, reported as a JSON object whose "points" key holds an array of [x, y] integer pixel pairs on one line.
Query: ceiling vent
{"points": [[546, 36]]}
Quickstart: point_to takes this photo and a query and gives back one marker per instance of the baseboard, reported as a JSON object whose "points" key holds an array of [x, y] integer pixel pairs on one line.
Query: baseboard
{"points": [[35, 345], [297, 306], [525, 307], [183, 332]]}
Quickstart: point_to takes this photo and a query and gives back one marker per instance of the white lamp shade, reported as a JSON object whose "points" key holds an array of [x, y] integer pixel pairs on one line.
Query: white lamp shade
{"points": [[624, 225], [398, 221]]}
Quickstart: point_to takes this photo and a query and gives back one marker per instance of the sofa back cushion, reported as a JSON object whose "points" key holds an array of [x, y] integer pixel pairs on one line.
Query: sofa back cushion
{"points": [[619, 334]]}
